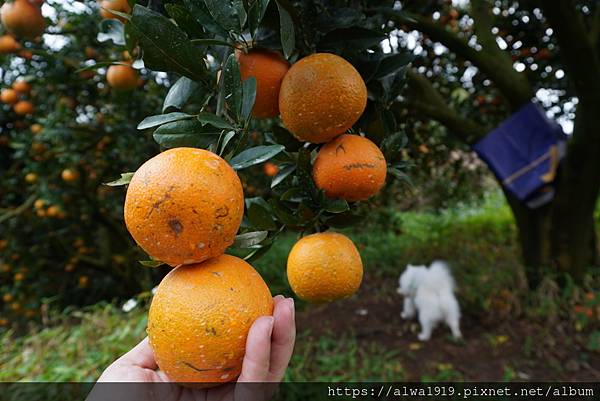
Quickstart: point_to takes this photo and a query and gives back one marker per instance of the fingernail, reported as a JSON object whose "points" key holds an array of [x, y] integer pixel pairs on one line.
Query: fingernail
{"points": [[279, 297], [291, 306]]}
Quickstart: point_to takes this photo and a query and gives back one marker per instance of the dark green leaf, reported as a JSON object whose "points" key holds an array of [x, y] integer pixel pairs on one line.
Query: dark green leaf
{"points": [[112, 29], [160, 119], [229, 14], [351, 39], [339, 18], [200, 12], [282, 175], [189, 133], [337, 206], [165, 46], [232, 85], [283, 214], [249, 96], [185, 20], [304, 174], [393, 64], [256, 155], [260, 214], [392, 145], [100, 65], [258, 253], [124, 180], [399, 175], [212, 42], [215, 121], [284, 137], [250, 239], [228, 137], [256, 12], [344, 220], [179, 93], [288, 36]]}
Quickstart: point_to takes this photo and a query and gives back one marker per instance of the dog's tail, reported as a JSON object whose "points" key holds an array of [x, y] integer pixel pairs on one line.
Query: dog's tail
{"points": [[440, 272]]}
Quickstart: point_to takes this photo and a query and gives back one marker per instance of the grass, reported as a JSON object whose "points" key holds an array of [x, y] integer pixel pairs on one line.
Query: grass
{"points": [[479, 241]]}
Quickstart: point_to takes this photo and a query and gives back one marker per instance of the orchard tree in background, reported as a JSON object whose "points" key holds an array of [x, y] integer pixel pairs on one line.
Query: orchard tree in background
{"points": [[511, 50]]}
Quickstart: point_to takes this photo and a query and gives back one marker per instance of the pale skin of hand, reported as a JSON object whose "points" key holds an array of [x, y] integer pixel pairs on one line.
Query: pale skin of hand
{"points": [[269, 347]]}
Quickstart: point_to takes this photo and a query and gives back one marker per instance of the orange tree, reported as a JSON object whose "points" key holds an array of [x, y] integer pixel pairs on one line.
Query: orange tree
{"points": [[61, 237], [232, 56]]}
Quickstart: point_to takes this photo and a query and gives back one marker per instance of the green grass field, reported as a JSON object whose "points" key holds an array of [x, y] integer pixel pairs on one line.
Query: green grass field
{"points": [[336, 342]]}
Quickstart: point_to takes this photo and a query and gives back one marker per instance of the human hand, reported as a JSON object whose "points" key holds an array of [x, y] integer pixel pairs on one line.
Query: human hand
{"points": [[269, 347]]}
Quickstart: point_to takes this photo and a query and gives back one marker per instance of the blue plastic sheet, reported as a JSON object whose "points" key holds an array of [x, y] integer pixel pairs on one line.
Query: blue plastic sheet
{"points": [[524, 153]]}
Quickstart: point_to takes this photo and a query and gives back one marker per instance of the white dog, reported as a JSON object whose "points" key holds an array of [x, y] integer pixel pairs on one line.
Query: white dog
{"points": [[430, 292]]}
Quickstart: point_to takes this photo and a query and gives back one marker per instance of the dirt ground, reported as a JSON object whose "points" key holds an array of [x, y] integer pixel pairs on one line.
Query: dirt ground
{"points": [[518, 350]]}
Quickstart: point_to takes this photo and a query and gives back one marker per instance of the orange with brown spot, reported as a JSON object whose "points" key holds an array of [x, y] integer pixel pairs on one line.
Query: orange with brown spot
{"points": [[324, 267], [350, 167], [200, 317], [269, 68], [184, 205], [321, 97]]}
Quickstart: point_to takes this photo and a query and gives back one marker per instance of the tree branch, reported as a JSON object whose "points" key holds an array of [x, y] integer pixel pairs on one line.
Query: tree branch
{"points": [[581, 59], [513, 85], [431, 103]]}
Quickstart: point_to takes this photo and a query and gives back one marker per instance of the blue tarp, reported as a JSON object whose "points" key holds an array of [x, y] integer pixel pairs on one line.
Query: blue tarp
{"points": [[523, 152]]}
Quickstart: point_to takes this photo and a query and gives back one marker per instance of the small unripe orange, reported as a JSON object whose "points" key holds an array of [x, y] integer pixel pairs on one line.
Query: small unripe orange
{"points": [[69, 175], [21, 86], [36, 129], [31, 178], [23, 108], [270, 169], [8, 44]]}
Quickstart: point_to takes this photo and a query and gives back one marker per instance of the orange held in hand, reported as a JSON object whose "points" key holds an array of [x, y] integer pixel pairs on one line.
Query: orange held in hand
{"points": [[200, 317], [269, 68], [350, 167], [22, 19], [324, 267], [184, 205], [321, 97], [122, 77]]}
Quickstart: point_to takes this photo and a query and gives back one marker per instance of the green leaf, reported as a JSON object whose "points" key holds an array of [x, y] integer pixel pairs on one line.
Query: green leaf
{"points": [[215, 121], [256, 155], [151, 263], [284, 137], [287, 34], [337, 206], [160, 119], [226, 139], [258, 253], [392, 64], [202, 15], [282, 213], [213, 42], [124, 180], [304, 174], [248, 97], [256, 12], [100, 65], [179, 93], [229, 14], [185, 20], [392, 145], [251, 239], [282, 175], [166, 47], [232, 85], [344, 220], [352, 39], [111, 29], [260, 214], [188, 133], [339, 18]]}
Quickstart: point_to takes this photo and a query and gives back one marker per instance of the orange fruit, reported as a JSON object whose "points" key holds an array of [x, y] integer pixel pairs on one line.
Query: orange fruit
{"points": [[117, 5], [22, 19], [26, 54], [184, 205], [324, 267], [39, 203], [23, 108], [270, 169], [122, 77], [269, 68], [21, 86], [53, 211], [69, 175], [36, 128], [8, 44], [83, 281], [90, 52], [321, 97], [200, 317], [350, 167], [31, 178], [9, 96], [7, 298]]}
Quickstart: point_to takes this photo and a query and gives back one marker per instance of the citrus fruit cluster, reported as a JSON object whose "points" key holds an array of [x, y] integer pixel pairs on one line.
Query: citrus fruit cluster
{"points": [[184, 207], [13, 96]]}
